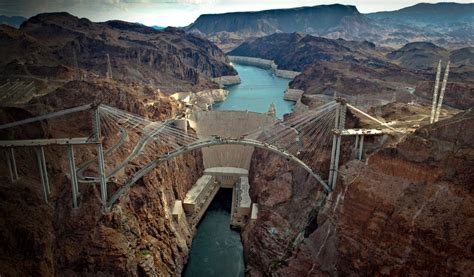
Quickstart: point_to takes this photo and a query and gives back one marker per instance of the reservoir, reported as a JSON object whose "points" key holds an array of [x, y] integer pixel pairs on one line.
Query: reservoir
{"points": [[257, 90], [216, 248]]}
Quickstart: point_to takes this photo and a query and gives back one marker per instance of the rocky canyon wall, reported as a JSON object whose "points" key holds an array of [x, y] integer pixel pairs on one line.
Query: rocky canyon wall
{"points": [[405, 210], [137, 237]]}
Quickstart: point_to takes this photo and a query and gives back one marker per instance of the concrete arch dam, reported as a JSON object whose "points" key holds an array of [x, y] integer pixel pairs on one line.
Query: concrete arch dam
{"points": [[225, 165], [228, 124]]}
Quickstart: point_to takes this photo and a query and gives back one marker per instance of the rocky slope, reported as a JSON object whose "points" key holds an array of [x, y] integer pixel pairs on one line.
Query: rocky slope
{"points": [[447, 24], [364, 70], [295, 51], [137, 237], [43, 49], [425, 55], [406, 210], [369, 83]]}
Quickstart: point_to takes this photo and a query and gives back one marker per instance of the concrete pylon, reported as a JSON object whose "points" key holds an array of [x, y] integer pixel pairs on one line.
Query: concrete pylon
{"points": [[443, 89], [339, 125], [435, 93]]}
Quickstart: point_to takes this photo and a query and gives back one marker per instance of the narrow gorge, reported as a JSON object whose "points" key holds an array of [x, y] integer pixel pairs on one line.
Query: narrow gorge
{"points": [[279, 142]]}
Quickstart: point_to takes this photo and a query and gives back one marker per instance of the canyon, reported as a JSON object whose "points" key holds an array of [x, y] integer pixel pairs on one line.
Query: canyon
{"points": [[405, 207], [138, 236]]}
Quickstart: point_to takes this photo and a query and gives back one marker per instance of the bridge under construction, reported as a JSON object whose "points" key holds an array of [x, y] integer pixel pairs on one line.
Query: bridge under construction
{"points": [[227, 140]]}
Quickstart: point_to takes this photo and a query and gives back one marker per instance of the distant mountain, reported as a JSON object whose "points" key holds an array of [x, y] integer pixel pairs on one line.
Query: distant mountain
{"points": [[272, 21], [419, 55], [425, 55], [446, 24], [158, 27], [43, 48], [325, 20], [14, 21], [430, 14]]}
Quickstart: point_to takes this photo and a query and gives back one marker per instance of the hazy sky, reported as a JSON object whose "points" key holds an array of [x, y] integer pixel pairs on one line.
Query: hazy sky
{"points": [[176, 12]]}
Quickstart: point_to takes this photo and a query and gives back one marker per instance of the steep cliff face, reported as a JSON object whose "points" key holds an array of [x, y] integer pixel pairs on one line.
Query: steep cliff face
{"points": [[407, 210], [45, 45], [138, 236]]}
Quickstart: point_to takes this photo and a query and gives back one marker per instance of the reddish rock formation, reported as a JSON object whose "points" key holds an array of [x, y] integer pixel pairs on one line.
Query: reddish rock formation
{"points": [[43, 50], [138, 236], [407, 210], [364, 72]]}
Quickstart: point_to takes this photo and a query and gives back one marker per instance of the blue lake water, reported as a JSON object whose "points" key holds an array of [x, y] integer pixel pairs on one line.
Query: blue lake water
{"points": [[258, 89], [216, 249]]}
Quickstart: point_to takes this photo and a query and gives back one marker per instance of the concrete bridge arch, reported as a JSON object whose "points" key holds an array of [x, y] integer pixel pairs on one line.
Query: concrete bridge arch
{"points": [[209, 143]]}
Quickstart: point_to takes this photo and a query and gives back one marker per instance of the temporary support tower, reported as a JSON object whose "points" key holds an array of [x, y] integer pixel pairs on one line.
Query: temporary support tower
{"points": [[438, 102]]}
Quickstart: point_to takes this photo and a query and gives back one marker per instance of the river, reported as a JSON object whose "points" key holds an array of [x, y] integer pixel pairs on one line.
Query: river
{"points": [[217, 250]]}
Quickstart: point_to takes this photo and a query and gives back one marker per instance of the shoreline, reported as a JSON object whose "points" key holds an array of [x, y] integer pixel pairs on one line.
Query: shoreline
{"points": [[266, 64]]}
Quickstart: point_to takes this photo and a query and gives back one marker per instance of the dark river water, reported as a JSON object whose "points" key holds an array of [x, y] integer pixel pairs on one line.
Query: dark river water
{"points": [[217, 249]]}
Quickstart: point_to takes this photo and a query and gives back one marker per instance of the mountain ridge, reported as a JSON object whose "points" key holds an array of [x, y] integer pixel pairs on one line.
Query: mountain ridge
{"points": [[14, 21], [228, 30], [47, 47]]}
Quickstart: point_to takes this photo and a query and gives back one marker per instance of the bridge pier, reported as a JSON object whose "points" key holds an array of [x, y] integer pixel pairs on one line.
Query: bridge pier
{"points": [[361, 148], [339, 124], [358, 149], [11, 162], [43, 172], [100, 156], [72, 170]]}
